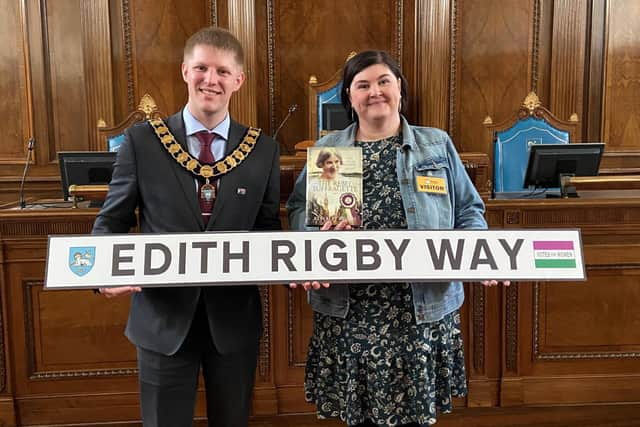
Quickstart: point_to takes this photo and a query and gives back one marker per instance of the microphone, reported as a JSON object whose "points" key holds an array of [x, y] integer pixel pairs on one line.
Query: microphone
{"points": [[30, 146], [292, 108]]}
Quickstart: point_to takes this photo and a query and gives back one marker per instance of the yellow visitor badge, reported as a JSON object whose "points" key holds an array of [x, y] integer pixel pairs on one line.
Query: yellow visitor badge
{"points": [[430, 184]]}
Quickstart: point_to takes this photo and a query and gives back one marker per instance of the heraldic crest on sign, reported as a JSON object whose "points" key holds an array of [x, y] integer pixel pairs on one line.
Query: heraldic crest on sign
{"points": [[81, 259]]}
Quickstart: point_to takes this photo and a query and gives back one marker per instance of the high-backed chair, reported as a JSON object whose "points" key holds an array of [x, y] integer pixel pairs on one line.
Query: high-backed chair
{"points": [[111, 137], [326, 112], [532, 124]]}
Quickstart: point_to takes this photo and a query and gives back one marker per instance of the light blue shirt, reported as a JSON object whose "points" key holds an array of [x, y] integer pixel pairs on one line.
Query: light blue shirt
{"points": [[219, 144]]}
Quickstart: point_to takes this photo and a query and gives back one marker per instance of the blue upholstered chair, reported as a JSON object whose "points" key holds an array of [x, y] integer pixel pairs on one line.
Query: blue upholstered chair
{"points": [[326, 113], [533, 124], [111, 137]]}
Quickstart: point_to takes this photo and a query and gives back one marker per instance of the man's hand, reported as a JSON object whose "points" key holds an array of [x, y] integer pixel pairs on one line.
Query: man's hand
{"points": [[119, 291], [490, 283], [310, 285]]}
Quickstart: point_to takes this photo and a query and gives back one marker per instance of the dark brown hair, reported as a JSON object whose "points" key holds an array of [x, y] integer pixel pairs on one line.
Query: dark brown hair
{"points": [[366, 59]]}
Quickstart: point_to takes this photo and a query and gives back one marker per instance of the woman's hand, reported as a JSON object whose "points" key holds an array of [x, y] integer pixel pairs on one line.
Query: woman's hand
{"points": [[327, 226], [119, 291], [342, 225], [310, 285], [490, 283]]}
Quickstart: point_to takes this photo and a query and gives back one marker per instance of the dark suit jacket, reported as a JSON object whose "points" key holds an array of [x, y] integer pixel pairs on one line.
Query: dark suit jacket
{"points": [[146, 177]]}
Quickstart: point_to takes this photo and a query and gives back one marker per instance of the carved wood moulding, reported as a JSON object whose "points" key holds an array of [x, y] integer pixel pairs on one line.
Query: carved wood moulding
{"points": [[454, 70], [535, 50], [512, 217], [478, 327], [264, 357], [399, 8], [213, 16], [511, 328], [32, 229], [292, 321], [577, 216], [128, 53], [3, 359]]}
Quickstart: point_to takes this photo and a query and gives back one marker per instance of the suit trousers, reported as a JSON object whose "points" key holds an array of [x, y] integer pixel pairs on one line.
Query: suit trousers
{"points": [[168, 383]]}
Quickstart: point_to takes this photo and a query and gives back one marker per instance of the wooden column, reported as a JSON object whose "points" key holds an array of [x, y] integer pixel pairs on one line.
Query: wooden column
{"points": [[568, 59], [97, 66], [242, 23], [433, 62]]}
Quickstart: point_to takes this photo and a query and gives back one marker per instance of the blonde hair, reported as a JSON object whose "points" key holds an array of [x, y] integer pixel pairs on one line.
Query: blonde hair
{"points": [[218, 38]]}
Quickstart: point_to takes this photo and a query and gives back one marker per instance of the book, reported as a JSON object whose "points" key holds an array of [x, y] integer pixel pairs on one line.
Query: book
{"points": [[334, 185]]}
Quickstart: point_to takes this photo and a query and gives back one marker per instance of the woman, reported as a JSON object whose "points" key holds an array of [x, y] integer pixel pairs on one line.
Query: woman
{"points": [[390, 354]]}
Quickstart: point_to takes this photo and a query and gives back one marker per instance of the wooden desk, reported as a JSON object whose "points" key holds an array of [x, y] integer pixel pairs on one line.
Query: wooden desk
{"points": [[573, 342], [65, 361]]}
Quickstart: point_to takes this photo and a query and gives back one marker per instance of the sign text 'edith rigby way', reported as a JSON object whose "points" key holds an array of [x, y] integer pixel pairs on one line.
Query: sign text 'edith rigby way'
{"points": [[195, 259]]}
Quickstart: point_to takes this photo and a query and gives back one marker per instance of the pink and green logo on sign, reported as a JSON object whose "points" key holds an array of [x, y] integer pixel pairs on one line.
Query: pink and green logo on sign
{"points": [[554, 254]]}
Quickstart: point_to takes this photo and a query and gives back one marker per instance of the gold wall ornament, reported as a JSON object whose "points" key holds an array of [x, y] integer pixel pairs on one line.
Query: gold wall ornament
{"points": [[531, 102], [488, 120], [147, 105], [574, 117]]}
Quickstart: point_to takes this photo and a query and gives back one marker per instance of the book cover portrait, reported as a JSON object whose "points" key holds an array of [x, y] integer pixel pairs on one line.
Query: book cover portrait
{"points": [[334, 185]]}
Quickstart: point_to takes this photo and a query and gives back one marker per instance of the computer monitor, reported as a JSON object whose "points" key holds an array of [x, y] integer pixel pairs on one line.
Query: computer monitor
{"points": [[85, 168], [334, 117], [548, 162]]}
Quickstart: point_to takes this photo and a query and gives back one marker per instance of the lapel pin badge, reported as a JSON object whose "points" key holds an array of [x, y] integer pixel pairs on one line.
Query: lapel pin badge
{"points": [[241, 191]]}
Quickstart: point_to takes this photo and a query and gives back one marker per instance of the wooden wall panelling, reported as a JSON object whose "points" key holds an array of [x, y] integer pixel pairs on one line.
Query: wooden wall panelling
{"points": [[66, 79], [568, 60], [14, 85], [433, 61], [621, 111], [493, 45], [159, 29], [573, 339], [592, 121], [15, 104], [120, 32], [96, 42], [621, 89], [305, 46], [72, 366]]}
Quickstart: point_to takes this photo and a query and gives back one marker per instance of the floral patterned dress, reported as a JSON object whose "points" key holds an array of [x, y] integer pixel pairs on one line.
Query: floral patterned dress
{"points": [[377, 363]]}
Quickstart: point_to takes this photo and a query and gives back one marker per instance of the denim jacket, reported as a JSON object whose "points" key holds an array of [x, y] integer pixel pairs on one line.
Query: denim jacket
{"points": [[425, 152]]}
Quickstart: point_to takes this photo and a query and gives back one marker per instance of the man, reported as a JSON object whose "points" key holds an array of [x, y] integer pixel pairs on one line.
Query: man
{"points": [[177, 330]]}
